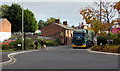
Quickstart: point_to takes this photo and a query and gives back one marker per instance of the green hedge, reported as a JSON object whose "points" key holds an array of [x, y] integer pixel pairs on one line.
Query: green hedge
{"points": [[13, 45], [55, 42], [29, 44], [5, 47], [103, 39], [50, 43], [107, 48]]}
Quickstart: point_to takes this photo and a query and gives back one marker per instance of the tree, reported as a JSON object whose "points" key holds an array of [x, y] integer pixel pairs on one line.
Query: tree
{"points": [[3, 10], [91, 18], [50, 20], [101, 17], [41, 24], [117, 6], [30, 23], [107, 11], [14, 14]]}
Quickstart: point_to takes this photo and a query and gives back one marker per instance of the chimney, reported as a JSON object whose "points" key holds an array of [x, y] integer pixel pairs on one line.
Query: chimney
{"points": [[57, 21], [65, 23]]}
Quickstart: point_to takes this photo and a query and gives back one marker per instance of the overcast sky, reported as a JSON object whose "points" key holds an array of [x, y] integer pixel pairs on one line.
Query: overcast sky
{"points": [[66, 11]]}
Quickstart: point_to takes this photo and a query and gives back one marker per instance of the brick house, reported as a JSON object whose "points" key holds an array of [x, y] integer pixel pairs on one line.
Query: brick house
{"points": [[57, 30], [5, 29]]}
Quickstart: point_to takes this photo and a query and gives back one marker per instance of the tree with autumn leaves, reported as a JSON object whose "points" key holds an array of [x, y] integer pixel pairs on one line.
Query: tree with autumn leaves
{"points": [[117, 6], [101, 18]]}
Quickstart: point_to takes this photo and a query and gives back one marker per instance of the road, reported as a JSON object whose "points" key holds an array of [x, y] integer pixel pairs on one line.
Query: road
{"points": [[64, 58]]}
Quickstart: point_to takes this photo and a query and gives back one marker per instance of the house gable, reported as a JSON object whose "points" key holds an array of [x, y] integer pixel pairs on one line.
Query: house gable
{"points": [[5, 26]]}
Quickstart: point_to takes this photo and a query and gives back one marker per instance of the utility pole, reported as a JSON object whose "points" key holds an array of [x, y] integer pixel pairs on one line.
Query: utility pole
{"points": [[23, 32]]}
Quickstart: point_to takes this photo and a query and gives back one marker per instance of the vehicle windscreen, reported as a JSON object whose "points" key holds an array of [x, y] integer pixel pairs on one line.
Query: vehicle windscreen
{"points": [[78, 35]]}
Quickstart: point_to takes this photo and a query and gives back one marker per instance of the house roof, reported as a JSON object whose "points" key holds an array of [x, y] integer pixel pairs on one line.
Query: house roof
{"points": [[63, 26]]}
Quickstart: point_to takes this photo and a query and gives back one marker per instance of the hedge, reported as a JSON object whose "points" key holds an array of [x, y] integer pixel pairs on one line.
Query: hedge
{"points": [[107, 48], [103, 39], [55, 42], [29, 44]]}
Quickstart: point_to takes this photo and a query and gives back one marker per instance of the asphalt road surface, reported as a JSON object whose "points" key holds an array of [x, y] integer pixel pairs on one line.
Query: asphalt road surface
{"points": [[64, 58]]}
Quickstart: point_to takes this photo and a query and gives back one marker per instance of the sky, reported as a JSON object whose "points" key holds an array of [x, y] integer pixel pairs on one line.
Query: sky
{"points": [[65, 10]]}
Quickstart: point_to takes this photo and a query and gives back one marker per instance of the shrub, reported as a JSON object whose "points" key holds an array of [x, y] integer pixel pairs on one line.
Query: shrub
{"points": [[102, 40], [12, 45], [39, 40], [58, 42], [97, 48], [55, 42], [50, 43], [5, 47], [15, 44], [29, 44], [107, 48], [116, 40]]}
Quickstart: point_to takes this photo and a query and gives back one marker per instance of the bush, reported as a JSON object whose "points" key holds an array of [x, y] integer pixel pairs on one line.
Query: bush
{"points": [[14, 45], [39, 40], [111, 48], [29, 44], [102, 40], [107, 48], [97, 48], [55, 42], [116, 40], [58, 42], [5, 47], [50, 43]]}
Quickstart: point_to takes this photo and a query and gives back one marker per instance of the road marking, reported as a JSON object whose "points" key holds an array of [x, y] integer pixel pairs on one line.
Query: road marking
{"points": [[12, 59]]}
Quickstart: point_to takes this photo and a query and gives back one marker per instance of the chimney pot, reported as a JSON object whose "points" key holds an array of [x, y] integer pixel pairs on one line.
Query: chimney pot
{"points": [[65, 23], [57, 21]]}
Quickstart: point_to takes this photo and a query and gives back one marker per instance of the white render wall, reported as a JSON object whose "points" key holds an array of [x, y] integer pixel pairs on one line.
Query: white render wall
{"points": [[4, 36]]}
